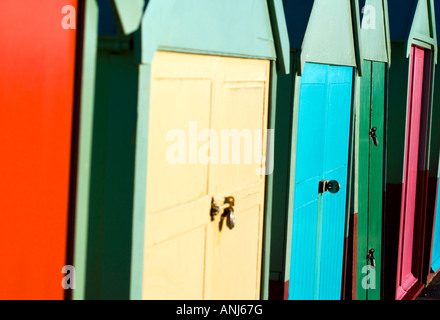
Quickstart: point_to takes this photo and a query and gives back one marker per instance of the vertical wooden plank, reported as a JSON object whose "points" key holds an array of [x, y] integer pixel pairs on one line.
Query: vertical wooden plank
{"points": [[112, 176], [376, 175], [334, 205], [279, 179], [141, 149], [90, 40], [405, 277], [269, 188], [364, 174], [308, 173], [396, 113]]}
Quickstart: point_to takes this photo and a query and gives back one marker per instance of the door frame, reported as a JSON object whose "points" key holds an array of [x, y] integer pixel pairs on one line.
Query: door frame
{"points": [[422, 180], [350, 171]]}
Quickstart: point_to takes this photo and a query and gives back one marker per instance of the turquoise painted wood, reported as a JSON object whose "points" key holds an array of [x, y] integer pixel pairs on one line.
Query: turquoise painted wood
{"points": [[318, 222], [435, 262]]}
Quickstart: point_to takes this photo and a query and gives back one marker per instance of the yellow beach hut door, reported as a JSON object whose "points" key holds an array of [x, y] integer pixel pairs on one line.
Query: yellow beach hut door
{"points": [[205, 177]]}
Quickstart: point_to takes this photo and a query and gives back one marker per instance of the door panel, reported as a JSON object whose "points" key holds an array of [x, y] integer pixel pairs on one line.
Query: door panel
{"points": [[250, 97], [370, 177], [213, 111], [318, 221], [36, 96], [185, 279], [238, 246], [337, 127], [405, 277], [332, 231], [376, 174], [310, 128], [364, 176], [180, 107], [304, 250]]}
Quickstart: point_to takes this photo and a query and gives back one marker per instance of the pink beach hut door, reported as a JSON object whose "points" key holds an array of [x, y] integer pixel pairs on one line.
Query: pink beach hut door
{"points": [[405, 277]]}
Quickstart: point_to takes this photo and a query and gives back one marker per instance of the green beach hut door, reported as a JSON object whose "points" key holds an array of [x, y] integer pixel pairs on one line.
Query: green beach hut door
{"points": [[371, 142], [376, 53]]}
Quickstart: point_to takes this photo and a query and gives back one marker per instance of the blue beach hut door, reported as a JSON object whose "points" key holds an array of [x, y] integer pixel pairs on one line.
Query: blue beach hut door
{"points": [[319, 215]]}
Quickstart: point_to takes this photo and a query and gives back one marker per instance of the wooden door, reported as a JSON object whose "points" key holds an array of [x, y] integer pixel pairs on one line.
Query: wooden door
{"points": [[322, 154], [371, 164], [37, 61], [196, 101], [405, 277]]}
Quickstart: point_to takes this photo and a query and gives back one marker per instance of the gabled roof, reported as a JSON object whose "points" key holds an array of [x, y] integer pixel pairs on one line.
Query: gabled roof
{"points": [[222, 27], [413, 22], [375, 32], [120, 16], [129, 14], [242, 28], [325, 31]]}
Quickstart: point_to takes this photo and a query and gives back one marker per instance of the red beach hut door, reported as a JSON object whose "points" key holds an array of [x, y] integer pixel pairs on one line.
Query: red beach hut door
{"points": [[37, 63]]}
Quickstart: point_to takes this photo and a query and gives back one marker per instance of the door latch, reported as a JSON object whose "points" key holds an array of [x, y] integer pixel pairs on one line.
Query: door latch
{"points": [[373, 136], [230, 217], [228, 203], [370, 258]]}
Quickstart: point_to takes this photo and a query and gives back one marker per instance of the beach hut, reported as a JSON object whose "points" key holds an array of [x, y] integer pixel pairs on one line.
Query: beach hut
{"points": [[376, 53], [104, 189], [46, 93], [324, 43], [414, 52], [205, 81]]}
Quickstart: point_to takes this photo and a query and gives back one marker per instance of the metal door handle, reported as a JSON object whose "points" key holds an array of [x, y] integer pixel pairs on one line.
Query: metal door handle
{"points": [[331, 186], [230, 217], [229, 202], [228, 211]]}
